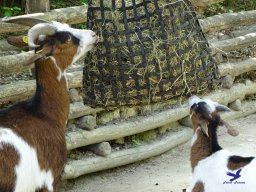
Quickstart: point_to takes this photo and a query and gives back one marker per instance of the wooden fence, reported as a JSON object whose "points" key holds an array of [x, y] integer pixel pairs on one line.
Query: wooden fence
{"points": [[99, 127]]}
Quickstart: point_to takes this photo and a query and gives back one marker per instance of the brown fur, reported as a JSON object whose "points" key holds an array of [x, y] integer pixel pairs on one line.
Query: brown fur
{"points": [[203, 145], [235, 166], [17, 41], [199, 187], [8, 153], [236, 162], [200, 149], [44, 127]]}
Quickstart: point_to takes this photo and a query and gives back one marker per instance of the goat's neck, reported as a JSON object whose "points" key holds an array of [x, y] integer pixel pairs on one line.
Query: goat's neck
{"points": [[203, 146], [52, 91]]}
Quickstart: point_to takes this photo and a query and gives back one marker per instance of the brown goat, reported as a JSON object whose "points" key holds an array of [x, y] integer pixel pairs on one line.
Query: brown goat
{"points": [[32, 140]]}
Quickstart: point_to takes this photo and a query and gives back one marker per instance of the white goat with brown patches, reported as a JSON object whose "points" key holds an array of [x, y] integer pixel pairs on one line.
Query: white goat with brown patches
{"points": [[32, 141], [216, 169]]}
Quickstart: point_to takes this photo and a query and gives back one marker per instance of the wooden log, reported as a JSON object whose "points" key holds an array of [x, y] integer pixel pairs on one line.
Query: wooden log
{"points": [[77, 168], [243, 31], [238, 68], [16, 91], [238, 91], [13, 63], [247, 108], [35, 6], [141, 124], [70, 15], [22, 90], [133, 126], [5, 46], [228, 20], [234, 43], [103, 149]]}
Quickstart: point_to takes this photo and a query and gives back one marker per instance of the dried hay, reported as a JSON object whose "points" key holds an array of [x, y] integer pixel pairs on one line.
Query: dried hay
{"points": [[150, 51]]}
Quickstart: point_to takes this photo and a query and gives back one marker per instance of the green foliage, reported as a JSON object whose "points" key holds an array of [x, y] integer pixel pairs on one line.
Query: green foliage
{"points": [[84, 2], [135, 141], [82, 26], [11, 11], [11, 8], [230, 6], [56, 4]]}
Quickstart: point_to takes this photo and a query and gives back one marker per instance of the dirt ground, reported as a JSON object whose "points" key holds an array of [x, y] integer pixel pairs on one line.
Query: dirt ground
{"points": [[169, 172]]}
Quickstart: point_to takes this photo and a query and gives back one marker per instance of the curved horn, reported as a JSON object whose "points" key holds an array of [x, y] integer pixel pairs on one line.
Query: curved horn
{"points": [[28, 21], [40, 29]]}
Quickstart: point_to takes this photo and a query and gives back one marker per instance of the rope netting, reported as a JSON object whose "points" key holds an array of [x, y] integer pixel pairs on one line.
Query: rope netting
{"points": [[149, 51]]}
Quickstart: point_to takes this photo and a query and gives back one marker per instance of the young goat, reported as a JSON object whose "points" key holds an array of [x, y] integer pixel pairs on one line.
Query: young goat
{"points": [[32, 142], [216, 169]]}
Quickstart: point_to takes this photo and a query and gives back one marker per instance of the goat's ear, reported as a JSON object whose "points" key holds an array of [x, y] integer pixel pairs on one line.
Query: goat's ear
{"points": [[33, 59], [207, 117], [44, 52], [204, 127], [220, 107], [18, 41], [230, 129]]}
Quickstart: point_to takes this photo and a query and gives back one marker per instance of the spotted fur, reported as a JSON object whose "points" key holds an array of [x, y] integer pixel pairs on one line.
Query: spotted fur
{"points": [[210, 163]]}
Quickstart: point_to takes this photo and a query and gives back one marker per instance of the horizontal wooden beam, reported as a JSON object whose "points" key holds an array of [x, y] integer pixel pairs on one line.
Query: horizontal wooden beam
{"points": [[228, 20], [22, 90], [76, 168], [70, 15], [133, 126], [238, 91], [233, 43], [237, 68], [5, 46], [14, 63]]}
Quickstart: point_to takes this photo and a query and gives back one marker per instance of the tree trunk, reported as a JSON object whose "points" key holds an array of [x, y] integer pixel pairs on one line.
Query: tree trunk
{"points": [[36, 6]]}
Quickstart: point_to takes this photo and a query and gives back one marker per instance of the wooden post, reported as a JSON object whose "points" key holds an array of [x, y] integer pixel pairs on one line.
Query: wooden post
{"points": [[35, 6]]}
